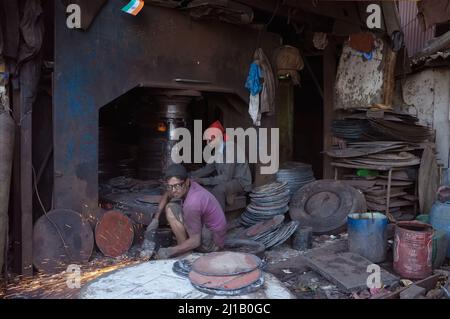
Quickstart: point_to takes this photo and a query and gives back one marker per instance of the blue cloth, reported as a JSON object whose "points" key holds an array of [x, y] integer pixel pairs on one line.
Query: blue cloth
{"points": [[368, 56], [253, 83]]}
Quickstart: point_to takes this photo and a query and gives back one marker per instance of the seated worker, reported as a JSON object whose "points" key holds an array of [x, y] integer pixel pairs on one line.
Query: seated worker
{"points": [[193, 213], [227, 177]]}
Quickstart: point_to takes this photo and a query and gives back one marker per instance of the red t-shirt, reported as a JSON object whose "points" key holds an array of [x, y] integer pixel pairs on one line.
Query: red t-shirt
{"points": [[200, 207]]}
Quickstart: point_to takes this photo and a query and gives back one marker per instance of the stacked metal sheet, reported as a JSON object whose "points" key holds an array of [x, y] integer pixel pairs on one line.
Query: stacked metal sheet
{"points": [[377, 141], [227, 273], [270, 233], [375, 155], [266, 202], [402, 200], [296, 175], [380, 125], [351, 129]]}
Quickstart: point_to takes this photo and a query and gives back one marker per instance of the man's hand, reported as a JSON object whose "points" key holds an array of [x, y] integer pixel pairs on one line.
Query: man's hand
{"points": [[164, 253]]}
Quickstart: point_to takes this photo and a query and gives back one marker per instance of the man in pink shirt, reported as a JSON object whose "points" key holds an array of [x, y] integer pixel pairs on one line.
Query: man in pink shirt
{"points": [[194, 215]]}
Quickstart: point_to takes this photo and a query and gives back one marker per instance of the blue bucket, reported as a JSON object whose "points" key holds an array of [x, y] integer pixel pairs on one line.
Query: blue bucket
{"points": [[367, 235], [440, 219]]}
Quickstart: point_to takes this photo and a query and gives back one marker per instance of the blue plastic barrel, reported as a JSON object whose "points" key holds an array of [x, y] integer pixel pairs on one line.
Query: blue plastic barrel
{"points": [[367, 235], [440, 220]]}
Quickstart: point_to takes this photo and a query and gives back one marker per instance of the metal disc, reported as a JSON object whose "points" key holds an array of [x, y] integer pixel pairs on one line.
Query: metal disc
{"points": [[325, 204], [114, 234], [226, 264], [182, 267], [231, 282], [236, 292], [265, 227], [60, 238]]}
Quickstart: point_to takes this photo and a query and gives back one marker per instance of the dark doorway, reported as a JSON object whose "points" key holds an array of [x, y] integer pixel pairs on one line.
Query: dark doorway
{"points": [[308, 115]]}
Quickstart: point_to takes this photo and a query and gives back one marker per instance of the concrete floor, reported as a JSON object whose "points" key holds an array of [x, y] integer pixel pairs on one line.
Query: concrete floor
{"points": [[156, 280]]}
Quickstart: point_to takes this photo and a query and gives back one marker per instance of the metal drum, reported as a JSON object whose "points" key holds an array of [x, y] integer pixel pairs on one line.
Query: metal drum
{"points": [[413, 249], [157, 124]]}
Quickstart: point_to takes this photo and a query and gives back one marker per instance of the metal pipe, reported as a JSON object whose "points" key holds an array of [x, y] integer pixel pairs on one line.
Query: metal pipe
{"points": [[435, 45]]}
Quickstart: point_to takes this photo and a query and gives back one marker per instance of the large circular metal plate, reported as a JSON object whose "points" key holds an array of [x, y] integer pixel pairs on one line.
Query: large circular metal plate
{"points": [[226, 264], [60, 238], [114, 234], [325, 204], [232, 282]]}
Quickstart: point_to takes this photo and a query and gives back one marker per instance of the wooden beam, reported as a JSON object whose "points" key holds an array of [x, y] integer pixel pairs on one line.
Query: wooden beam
{"points": [[285, 119], [22, 188], [26, 192], [16, 215], [343, 10], [316, 21], [329, 79]]}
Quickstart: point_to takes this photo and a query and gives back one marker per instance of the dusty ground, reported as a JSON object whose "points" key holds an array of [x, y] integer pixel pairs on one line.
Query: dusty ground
{"points": [[287, 264]]}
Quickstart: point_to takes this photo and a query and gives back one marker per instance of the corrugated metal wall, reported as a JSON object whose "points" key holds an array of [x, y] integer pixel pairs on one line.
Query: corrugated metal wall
{"points": [[415, 35]]}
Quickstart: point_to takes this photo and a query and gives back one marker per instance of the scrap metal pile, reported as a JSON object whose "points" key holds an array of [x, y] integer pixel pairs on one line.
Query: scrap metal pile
{"points": [[266, 201], [296, 175], [270, 233], [380, 125], [375, 155], [374, 188], [265, 215], [374, 143]]}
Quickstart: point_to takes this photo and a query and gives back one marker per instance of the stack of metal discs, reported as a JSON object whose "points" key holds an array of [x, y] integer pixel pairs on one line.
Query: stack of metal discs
{"points": [[227, 273], [296, 175], [271, 233], [266, 202]]}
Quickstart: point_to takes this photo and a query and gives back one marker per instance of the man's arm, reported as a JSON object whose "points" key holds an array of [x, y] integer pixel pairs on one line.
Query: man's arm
{"points": [[162, 204], [193, 242]]}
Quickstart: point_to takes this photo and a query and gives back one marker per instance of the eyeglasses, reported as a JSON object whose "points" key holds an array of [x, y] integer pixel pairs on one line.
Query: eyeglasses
{"points": [[175, 186]]}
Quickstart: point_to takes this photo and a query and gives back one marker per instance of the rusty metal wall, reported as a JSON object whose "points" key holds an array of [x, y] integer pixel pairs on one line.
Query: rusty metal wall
{"points": [[415, 35], [120, 52]]}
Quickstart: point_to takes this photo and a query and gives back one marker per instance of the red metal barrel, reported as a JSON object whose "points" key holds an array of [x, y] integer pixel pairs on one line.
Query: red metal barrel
{"points": [[114, 234], [413, 249]]}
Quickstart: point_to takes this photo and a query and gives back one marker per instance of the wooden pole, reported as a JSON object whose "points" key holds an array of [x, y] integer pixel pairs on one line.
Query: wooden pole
{"points": [[329, 69]]}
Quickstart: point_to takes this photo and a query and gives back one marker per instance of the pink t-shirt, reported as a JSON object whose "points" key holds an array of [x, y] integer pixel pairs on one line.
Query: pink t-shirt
{"points": [[200, 207]]}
